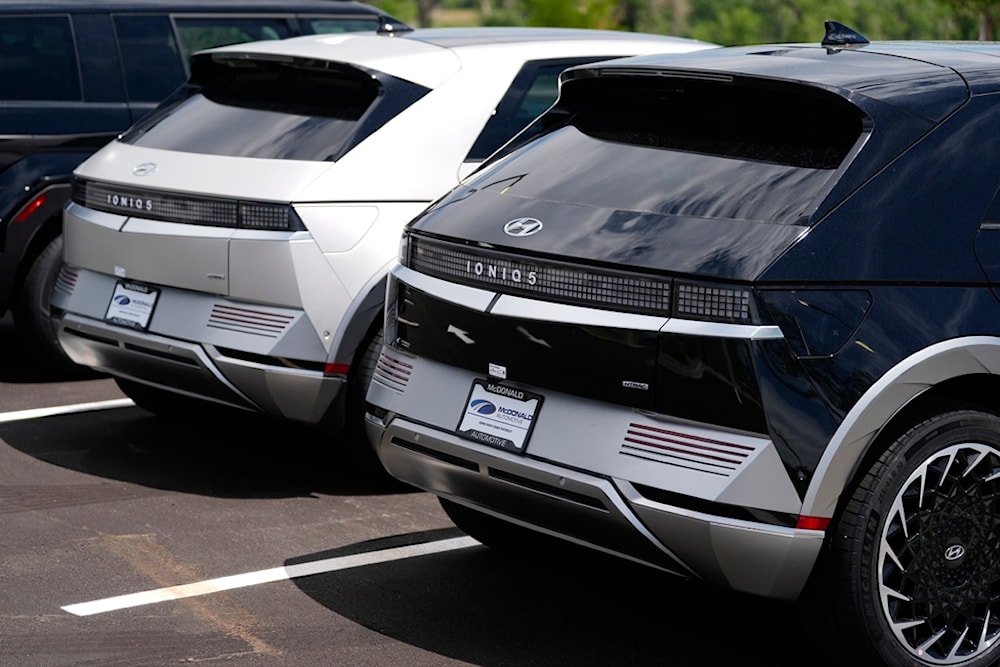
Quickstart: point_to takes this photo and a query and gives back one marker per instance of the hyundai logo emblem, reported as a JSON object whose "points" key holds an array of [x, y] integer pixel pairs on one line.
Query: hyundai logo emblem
{"points": [[144, 169], [954, 552], [522, 227]]}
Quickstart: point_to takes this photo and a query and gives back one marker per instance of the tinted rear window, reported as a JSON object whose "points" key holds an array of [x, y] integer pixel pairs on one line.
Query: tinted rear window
{"points": [[302, 110], [807, 129], [692, 148], [38, 59]]}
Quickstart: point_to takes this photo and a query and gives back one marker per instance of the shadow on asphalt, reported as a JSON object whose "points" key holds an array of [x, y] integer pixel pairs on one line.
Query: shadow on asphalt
{"points": [[20, 365], [576, 607], [233, 455], [230, 454]]}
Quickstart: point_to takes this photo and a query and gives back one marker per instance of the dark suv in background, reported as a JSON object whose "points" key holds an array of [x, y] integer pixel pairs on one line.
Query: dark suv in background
{"points": [[73, 75]]}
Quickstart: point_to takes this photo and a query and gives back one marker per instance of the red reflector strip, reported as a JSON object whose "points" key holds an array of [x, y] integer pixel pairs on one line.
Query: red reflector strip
{"points": [[30, 209], [337, 369], [813, 523]]}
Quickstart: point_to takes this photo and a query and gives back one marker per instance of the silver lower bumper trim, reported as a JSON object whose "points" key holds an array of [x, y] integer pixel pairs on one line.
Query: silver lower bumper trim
{"points": [[199, 371], [606, 514]]}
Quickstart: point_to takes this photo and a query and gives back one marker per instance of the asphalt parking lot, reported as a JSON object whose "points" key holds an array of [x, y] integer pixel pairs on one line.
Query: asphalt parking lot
{"points": [[133, 540]]}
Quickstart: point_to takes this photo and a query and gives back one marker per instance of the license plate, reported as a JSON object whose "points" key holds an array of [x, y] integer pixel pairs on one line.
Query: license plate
{"points": [[132, 304], [499, 415]]}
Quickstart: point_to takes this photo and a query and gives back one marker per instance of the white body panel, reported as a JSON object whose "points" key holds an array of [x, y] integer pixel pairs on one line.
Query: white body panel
{"points": [[327, 278]]}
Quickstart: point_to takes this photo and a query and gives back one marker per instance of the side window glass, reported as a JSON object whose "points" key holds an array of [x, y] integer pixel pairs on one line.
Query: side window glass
{"points": [[533, 91], [326, 26], [38, 59], [204, 33], [150, 57]]}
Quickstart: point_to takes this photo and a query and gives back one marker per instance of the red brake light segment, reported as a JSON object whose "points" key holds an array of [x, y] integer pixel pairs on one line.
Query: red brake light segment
{"points": [[30, 209], [813, 522]]}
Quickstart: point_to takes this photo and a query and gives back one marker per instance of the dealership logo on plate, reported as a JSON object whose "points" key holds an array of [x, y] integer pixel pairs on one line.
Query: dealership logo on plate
{"points": [[481, 407]]}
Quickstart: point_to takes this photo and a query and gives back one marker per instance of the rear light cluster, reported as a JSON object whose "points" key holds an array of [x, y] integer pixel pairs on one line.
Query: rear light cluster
{"points": [[184, 208], [707, 302], [32, 206], [560, 282], [578, 285]]}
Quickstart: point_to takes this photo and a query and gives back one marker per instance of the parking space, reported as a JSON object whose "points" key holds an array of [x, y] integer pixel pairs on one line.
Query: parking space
{"points": [[254, 543], [114, 502]]}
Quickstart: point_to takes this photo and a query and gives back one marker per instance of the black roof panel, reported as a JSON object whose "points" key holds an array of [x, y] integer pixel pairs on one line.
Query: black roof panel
{"points": [[928, 79]]}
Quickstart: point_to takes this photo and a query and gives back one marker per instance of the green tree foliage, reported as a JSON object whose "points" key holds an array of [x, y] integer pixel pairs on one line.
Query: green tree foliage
{"points": [[561, 13], [404, 10], [756, 21], [725, 21], [987, 13], [571, 13]]}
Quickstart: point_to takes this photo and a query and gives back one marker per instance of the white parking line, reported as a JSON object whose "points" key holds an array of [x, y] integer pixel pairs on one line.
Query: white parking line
{"points": [[35, 413], [265, 576]]}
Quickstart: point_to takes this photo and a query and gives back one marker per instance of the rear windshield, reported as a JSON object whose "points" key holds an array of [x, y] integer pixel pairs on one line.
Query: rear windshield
{"points": [[284, 110], [690, 148]]}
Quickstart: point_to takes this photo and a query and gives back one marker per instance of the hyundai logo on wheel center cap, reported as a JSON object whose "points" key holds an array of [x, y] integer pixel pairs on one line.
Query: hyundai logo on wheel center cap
{"points": [[522, 227]]}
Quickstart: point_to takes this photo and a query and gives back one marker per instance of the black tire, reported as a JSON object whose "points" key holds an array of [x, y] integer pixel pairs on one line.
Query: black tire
{"points": [[364, 370], [916, 551], [359, 448], [32, 309]]}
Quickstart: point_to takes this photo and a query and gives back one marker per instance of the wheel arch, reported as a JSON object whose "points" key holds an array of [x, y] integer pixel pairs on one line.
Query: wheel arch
{"points": [[361, 321], [364, 314], [48, 227], [962, 370]]}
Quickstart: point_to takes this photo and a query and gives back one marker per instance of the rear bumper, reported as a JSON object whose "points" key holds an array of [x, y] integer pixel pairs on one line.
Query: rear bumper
{"points": [[606, 514], [199, 371], [194, 347], [576, 481]]}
